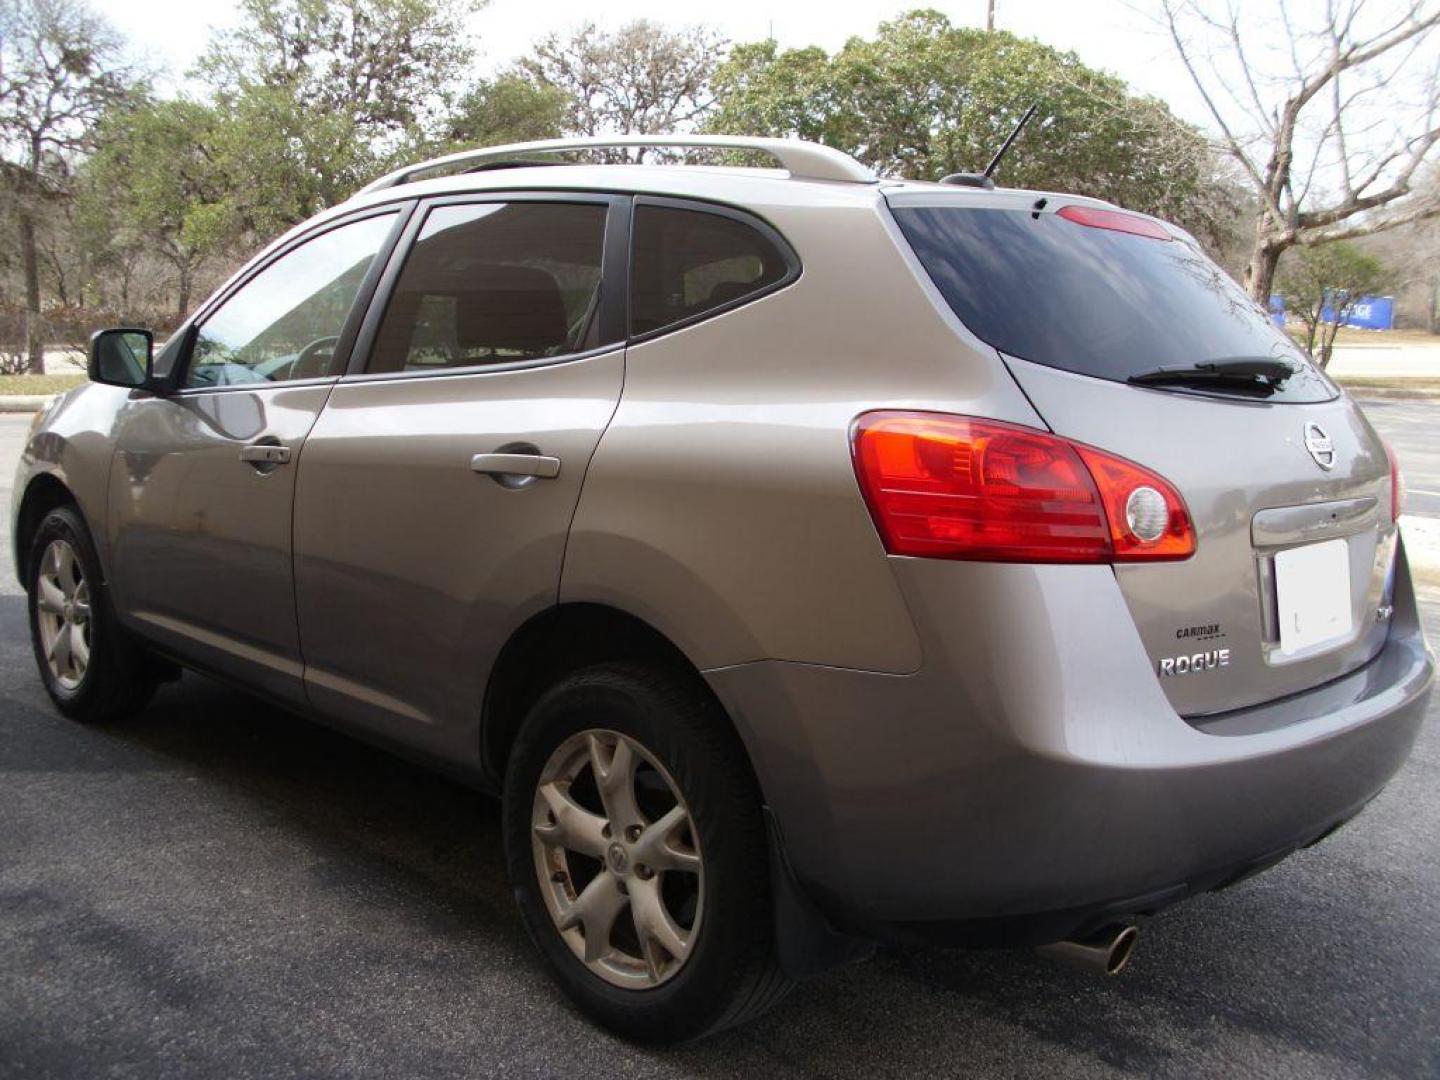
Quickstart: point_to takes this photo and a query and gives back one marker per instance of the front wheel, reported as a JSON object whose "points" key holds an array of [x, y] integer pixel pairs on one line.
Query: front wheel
{"points": [[92, 669], [637, 851]]}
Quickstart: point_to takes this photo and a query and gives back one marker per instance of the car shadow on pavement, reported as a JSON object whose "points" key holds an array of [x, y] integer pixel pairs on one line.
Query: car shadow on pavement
{"points": [[384, 860]]}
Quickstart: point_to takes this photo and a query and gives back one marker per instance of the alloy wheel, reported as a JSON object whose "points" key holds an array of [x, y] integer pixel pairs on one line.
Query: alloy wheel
{"points": [[618, 859], [62, 605]]}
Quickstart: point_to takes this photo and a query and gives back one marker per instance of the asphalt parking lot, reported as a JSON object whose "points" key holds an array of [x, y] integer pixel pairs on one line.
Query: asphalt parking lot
{"points": [[223, 890]]}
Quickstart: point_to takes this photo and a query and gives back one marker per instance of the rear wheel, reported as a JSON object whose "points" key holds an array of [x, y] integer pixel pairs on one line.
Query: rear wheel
{"points": [[91, 667], [637, 851]]}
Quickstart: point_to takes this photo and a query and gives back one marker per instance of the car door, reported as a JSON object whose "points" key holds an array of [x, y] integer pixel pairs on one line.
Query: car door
{"points": [[437, 487], [202, 483]]}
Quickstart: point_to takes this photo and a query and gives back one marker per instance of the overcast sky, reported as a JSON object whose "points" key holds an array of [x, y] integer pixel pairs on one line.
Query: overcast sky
{"points": [[1108, 34]]}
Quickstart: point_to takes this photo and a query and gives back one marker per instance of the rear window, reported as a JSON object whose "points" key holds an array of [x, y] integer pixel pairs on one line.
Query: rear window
{"points": [[1094, 300], [688, 263]]}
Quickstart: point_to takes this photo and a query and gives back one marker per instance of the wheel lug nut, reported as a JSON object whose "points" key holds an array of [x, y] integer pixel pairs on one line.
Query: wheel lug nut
{"points": [[633, 833], [605, 830], [643, 872]]}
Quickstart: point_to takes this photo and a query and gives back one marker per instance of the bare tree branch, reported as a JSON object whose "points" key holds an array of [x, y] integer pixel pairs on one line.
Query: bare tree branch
{"points": [[1296, 153]]}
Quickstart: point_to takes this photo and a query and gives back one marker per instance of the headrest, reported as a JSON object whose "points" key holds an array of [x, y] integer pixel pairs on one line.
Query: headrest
{"points": [[510, 307]]}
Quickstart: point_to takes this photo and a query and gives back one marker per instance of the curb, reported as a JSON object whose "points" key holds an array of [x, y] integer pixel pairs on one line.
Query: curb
{"points": [[1400, 387], [23, 403]]}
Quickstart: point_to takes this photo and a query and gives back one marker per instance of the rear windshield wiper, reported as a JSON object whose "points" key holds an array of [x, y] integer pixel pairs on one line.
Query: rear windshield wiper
{"points": [[1256, 374]]}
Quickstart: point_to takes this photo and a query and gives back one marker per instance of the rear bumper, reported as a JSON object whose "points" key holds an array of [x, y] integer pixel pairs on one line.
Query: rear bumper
{"points": [[1031, 780]]}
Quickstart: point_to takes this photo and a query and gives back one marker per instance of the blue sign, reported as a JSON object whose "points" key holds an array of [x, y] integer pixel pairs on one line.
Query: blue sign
{"points": [[1277, 309], [1370, 313], [1367, 313]]}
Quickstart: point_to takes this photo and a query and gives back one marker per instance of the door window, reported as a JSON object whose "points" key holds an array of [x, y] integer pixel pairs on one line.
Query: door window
{"points": [[285, 322], [495, 283]]}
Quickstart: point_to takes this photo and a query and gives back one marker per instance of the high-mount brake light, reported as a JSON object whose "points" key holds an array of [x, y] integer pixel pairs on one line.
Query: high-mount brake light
{"points": [[956, 487], [1114, 220]]}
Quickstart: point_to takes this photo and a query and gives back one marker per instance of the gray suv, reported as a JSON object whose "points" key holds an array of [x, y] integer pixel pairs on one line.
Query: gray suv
{"points": [[806, 559]]}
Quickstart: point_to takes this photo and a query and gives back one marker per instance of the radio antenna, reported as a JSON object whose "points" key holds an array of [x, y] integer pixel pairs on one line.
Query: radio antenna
{"points": [[995, 161]]}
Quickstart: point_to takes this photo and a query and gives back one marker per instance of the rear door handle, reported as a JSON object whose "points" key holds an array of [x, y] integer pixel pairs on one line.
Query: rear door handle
{"points": [[537, 465], [265, 454]]}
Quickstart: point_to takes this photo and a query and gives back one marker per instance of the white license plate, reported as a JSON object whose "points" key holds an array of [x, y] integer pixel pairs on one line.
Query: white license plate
{"points": [[1312, 593]]}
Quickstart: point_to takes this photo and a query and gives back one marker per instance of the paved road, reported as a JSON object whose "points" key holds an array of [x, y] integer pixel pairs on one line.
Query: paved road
{"points": [[1413, 429], [222, 890]]}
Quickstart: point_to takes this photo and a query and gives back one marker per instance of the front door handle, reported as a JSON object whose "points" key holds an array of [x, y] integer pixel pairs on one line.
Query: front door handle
{"points": [[537, 465], [265, 454]]}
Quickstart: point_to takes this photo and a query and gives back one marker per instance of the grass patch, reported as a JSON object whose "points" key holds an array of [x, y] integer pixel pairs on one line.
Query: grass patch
{"points": [[38, 384]]}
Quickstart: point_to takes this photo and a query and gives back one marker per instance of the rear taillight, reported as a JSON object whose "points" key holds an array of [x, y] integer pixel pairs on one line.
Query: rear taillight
{"points": [[953, 487], [1397, 483]]}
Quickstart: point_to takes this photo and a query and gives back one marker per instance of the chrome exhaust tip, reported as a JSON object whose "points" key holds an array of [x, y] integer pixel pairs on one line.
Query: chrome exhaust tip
{"points": [[1106, 952]]}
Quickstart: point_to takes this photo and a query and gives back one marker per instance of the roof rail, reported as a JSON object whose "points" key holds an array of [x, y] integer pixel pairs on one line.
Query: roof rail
{"points": [[803, 160]]}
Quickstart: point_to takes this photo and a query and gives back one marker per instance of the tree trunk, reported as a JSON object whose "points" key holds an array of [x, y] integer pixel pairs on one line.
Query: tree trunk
{"points": [[34, 332], [1260, 270], [183, 306]]}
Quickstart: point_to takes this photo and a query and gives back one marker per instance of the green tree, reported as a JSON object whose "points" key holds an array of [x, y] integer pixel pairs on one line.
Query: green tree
{"points": [[318, 97], [158, 181], [1328, 279], [288, 159], [508, 108], [388, 66], [924, 98], [60, 69]]}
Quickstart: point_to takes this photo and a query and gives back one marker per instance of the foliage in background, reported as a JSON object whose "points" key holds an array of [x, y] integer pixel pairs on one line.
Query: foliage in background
{"points": [[157, 182], [389, 67], [1329, 280], [509, 108], [61, 67], [319, 96], [125, 207], [924, 98], [643, 78]]}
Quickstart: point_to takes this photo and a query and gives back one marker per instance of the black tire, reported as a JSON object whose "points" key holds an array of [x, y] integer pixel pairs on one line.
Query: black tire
{"points": [[732, 973], [119, 678]]}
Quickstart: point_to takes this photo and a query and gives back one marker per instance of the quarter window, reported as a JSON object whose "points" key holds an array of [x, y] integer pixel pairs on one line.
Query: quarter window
{"points": [[690, 262], [495, 283], [285, 322]]}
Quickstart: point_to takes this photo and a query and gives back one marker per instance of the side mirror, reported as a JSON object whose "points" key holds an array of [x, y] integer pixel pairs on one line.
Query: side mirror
{"points": [[122, 357]]}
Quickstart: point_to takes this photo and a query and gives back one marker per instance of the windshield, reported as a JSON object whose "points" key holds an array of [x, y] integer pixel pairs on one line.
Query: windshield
{"points": [[1094, 300]]}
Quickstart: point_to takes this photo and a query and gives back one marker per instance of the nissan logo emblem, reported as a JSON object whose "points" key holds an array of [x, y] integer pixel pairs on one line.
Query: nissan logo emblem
{"points": [[1321, 448]]}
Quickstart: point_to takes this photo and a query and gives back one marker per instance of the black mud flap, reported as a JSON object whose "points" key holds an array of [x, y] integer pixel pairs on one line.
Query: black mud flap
{"points": [[806, 942]]}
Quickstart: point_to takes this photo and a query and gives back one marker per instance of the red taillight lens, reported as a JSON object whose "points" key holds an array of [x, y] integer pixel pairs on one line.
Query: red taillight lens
{"points": [[952, 487], [1147, 517], [1397, 484], [1114, 220]]}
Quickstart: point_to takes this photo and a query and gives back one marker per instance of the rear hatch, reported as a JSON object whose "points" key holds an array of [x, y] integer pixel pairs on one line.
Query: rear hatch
{"points": [[1286, 482]]}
